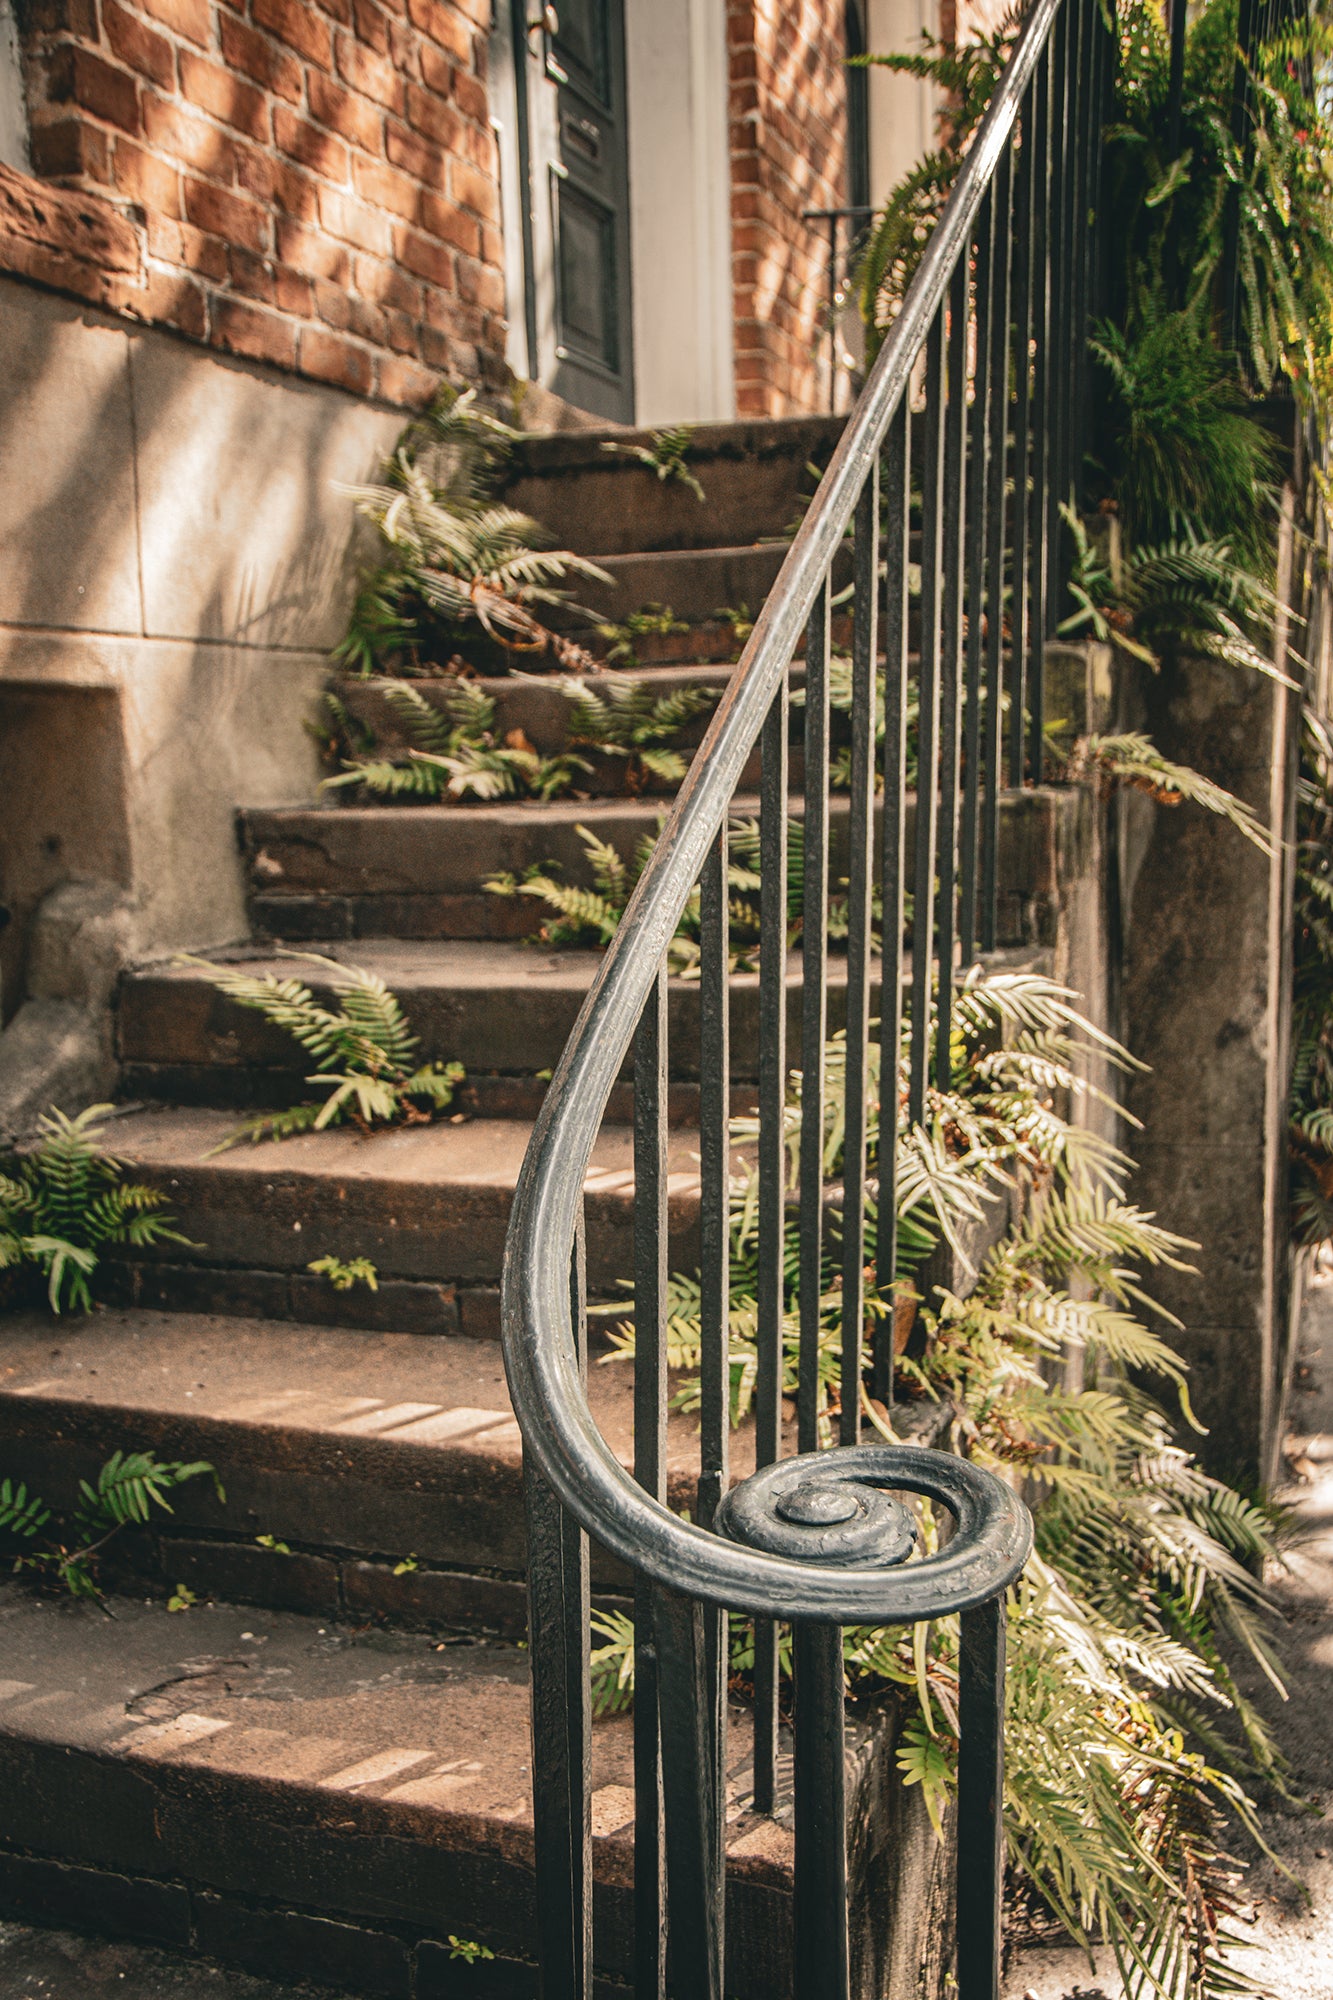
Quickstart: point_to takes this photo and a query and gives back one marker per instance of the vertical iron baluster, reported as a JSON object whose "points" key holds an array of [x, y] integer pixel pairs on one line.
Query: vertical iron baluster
{"points": [[650, 1395], [980, 1799], [978, 460], [714, 1282], [695, 1829], [814, 1012], [1059, 371], [1041, 414], [772, 1191], [1018, 574], [897, 546], [951, 620], [860, 884], [822, 1958], [558, 1626], [1002, 208], [1087, 115], [927, 756]]}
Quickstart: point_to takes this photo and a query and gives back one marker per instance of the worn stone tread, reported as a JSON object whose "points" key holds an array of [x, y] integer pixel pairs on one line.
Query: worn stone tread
{"points": [[270, 1767]]}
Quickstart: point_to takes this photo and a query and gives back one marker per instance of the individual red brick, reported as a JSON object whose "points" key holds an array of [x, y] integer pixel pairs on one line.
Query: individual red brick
{"points": [[329, 357], [72, 149], [292, 292], [386, 285], [428, 113], [79, 76], [154, 183], [452, 225], [355, 222], [242, 328], [415, 156], [188, 18], [474, 190], [299, 26], [406, 382], [314, 254], [480, 285], [138, 46], [440, 350], [385, 188], [241, 221], [372, 26], [180, 243], [341, 11], [346, 313], [470, 97], [293, 192], [255, 56], [426, 257], [251, 275], [169, 299], [230, 98], [401, 332], [61, 17], [306, 143], [438, 71], [345, 113], [444, 25], [184, 136], [372, 75]]}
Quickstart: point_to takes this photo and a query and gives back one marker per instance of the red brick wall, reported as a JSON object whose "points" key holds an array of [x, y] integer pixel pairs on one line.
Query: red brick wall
{"points": [[788, 115], [311, 183]]}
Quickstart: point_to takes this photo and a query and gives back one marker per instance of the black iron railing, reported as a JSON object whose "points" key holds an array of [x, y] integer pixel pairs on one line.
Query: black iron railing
{"points": [[989, 344]]}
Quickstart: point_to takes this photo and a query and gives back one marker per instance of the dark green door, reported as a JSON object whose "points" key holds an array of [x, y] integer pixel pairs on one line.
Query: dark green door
{"points": [[578, 187]]}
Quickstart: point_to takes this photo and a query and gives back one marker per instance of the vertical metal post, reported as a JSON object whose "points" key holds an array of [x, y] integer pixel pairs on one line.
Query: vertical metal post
{"points": [[1019, 604], [1038, 528], [934, 486], [980, 1799], [772, 1192], [951, 623], [694, 1827], [897, 544], [814, 1014], [861, 829], [1002, 209], [650, 1400], [985, 245], [822, 1959], [558, 1610]]}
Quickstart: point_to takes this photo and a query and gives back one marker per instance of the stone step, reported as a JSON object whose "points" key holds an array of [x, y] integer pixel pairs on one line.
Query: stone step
{"points": [[504, 1010], [755, 478], [280, 1792], [427, 1204], [366, 871], [363, 1453]]}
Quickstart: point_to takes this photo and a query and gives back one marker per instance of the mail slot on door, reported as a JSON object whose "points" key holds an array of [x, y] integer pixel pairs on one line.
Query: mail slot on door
{"points": [[583, 136]]}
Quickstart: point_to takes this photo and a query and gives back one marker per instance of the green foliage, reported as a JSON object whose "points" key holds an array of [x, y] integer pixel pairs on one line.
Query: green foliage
{"points": [[344, 1275], [465, 1949], [665, 454], [130, 1487], [364, 1053], [1145, 1585], [67, 1200], [653, 621], [1311, 1091], [453, 565], [629, 720], [1133, 759], [452, 753]]}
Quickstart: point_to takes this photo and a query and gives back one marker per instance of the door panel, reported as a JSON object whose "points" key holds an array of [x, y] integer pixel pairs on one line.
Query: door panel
{"points": [[577, 252]]}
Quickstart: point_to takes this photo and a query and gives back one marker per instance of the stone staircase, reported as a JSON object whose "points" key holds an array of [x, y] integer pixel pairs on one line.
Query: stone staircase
{"points": [[332, 1784]]}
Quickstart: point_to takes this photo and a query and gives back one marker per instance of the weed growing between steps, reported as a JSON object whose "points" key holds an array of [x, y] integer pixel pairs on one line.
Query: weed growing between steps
{"points": [[666, 454], [64, 1554], [66, 1201], [457, 574], [1129, 1742], [589, 914], [453, 752], [652, 621], [365, 1053]]}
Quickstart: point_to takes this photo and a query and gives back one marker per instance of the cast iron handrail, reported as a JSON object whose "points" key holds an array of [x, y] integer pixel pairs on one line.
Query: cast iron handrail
{"points": [[991, 329]]}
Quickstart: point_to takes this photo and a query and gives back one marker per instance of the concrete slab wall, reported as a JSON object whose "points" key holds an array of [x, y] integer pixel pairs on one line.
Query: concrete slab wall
{"points": [[178, 560]]}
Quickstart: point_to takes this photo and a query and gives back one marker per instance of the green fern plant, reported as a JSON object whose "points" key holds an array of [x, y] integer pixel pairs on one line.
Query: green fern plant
{"points": [[67, 1200], [343, 1274], [665, 454], [129, 1488], [452, 753], [365, 1054], [453, 565], [630, 721], [1124, 1630], [652, 621]]}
